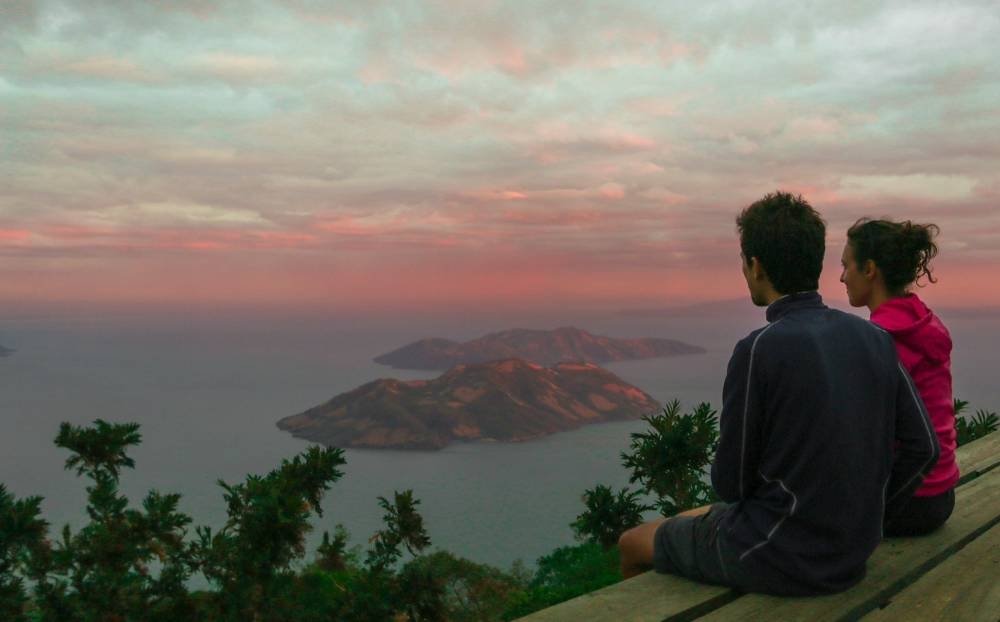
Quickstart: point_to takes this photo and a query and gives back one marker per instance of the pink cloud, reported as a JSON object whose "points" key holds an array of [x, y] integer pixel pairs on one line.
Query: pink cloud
{"points": [[512, 60], [494, 195], [612, 191], [75, 232], [547, 217], [14, 235], [100, 68], [114, 240], [113, 69], [350, 226], [237, 67], [631, 141]]}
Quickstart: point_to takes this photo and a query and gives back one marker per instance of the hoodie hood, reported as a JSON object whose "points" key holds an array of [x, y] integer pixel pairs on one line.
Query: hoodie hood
{"points": [[918, 333]]}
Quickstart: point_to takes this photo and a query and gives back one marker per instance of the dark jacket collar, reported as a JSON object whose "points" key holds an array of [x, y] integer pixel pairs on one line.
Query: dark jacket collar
{"points": [[793, 302]]}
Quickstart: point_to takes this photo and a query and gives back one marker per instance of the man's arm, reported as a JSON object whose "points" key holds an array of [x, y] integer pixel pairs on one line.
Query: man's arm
{"points": [[917, 448], [734, 471]]}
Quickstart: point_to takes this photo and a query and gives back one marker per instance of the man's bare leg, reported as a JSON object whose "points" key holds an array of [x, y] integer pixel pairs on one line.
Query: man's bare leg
{"points": [[635, 546]]}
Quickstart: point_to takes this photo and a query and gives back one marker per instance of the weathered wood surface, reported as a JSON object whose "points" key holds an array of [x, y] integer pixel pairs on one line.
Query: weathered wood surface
{"points": [[650, 597], [966, 587], [979, 456], [895, 564]]}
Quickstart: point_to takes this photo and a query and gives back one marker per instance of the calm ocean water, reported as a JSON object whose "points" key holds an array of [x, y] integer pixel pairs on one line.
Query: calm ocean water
{"points": [[208, 389]]}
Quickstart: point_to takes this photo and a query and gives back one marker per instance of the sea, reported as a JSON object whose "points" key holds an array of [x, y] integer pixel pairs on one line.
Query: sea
{"points": [[207, 387]]}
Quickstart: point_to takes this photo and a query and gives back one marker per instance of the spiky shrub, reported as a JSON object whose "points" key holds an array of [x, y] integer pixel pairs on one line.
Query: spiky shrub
{"points": [[378, 591], [250, 559], [671, 460], [125, 564], [608, 515]]}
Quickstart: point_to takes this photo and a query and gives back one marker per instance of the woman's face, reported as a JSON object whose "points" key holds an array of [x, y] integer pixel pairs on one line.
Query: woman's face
{"points": [[859, 287]]}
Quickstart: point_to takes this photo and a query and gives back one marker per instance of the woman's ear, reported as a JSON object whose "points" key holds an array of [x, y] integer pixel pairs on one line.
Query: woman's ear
{"points": [[870, 270]]}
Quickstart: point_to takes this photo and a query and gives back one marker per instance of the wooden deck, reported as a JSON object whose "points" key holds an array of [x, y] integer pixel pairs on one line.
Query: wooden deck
{"points": [[952, 574]]}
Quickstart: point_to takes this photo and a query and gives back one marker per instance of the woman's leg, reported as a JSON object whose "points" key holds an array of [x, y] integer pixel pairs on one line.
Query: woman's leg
{"points": [[920, 515]]}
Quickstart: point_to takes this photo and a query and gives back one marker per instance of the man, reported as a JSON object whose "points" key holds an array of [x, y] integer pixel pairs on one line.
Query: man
{"points": [[820, 430]]}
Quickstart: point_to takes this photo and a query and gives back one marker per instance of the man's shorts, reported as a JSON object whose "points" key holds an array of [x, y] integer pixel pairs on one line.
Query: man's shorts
{"points": [[694, 547]]}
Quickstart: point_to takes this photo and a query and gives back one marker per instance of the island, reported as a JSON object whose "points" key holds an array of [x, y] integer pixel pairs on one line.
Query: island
{"points": [[545, 347], [6, 351], [506, 400]]}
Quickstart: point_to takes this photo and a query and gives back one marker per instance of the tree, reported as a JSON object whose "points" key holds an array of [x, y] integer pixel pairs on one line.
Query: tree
{"points": [[103, 572], [608, 515], [403, 527], [671, 460], [378, 592], [331, 555], [22, 532], [250, 558]]}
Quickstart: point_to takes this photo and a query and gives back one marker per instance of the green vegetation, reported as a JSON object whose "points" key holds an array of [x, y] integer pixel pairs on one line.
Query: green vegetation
{"points": [[133, 565], [981, 424]]}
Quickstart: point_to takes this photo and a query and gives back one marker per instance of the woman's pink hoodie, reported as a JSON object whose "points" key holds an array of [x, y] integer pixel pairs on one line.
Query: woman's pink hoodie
{"points": [[924, 347]]}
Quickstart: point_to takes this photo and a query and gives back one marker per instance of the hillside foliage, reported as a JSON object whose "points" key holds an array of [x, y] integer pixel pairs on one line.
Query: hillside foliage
{"points": [[133, 564]]}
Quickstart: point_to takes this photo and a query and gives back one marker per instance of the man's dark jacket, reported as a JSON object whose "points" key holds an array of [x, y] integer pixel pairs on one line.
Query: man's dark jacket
{"points": [[821, 428]]}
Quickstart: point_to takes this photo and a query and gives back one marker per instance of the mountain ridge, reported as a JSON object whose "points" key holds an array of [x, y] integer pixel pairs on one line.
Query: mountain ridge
{"points": [[545, 347], [507, 400]]}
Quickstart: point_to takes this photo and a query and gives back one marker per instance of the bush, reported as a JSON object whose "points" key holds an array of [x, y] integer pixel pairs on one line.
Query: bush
{"points": [[981, 424], [672, 459], [565, 573], [608, 515]]}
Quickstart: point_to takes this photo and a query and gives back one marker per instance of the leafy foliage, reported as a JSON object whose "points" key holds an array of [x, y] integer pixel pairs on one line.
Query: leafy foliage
{"points": [[331, 555], [671, 460], [565, 573], [103, 572], [250, 558], [403, 527], [131, 564], [21, 533], [969, 429], [469, 592], [608, 515], [379, 592], [99, 449]]}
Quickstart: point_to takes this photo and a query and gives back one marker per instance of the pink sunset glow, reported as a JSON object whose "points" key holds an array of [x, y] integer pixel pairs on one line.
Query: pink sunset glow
{"points": [[469, 156]]}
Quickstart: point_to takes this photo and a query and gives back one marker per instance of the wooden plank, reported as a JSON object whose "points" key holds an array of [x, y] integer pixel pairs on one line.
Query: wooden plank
{"points": [[979, 456], [649, 597], [965, 587], [895, 564], [652, 597]]}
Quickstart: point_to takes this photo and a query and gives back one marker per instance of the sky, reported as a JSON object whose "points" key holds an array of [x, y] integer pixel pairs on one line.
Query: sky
{"points": [[467, 154]]}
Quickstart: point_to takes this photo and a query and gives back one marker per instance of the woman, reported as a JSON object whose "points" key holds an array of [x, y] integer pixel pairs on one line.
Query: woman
{"points": [[882, 260]]}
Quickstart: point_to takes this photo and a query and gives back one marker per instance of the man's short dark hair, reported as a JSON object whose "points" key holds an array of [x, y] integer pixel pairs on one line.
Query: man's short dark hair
{"points": [[788, 238]]}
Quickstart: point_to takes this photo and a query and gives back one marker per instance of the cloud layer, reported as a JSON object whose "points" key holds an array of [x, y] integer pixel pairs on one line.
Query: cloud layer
{"points": [[381, 154]]}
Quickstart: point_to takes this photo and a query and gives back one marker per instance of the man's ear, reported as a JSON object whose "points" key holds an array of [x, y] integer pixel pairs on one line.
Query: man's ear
{"points": [[757, 269]]}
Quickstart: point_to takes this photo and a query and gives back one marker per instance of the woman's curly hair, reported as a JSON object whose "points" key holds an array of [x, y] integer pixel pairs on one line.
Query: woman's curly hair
{"points": [[901, 250]]}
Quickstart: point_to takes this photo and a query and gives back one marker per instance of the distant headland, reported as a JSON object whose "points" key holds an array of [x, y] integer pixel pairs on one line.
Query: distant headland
{"points": [[545, 347], [503, 400], [6, 351]]}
